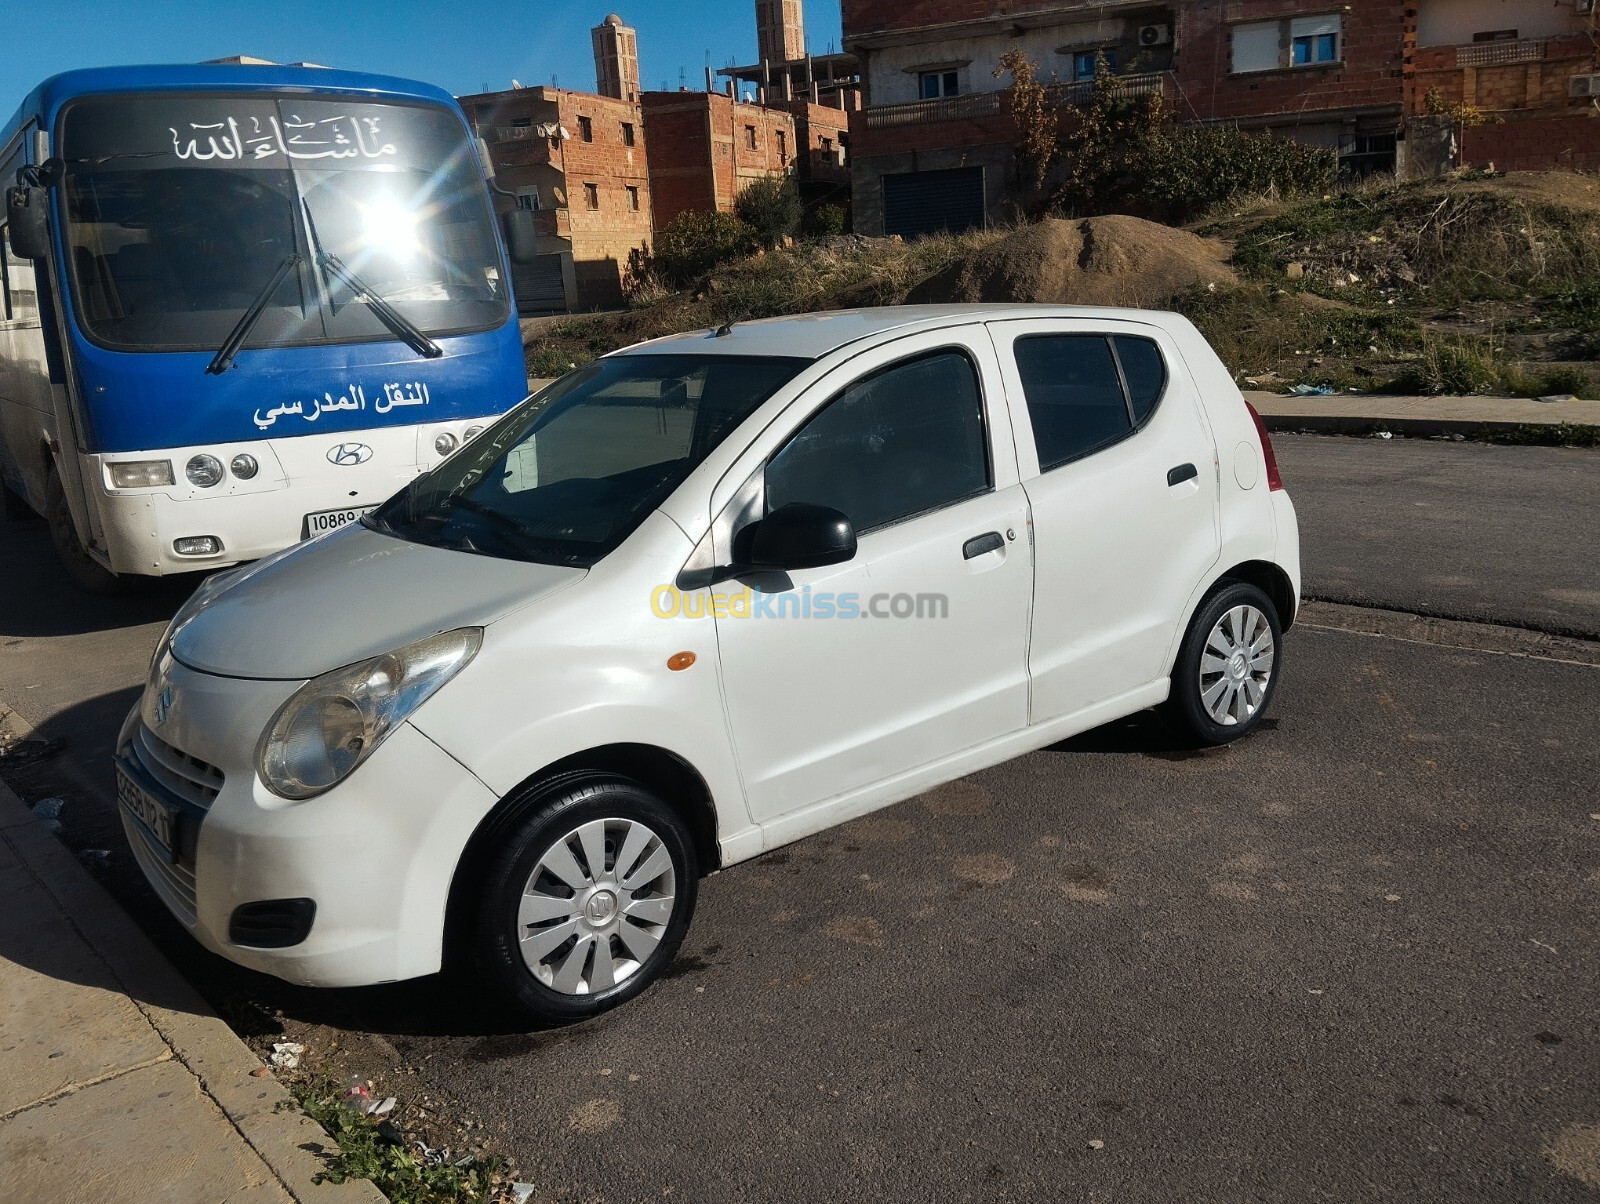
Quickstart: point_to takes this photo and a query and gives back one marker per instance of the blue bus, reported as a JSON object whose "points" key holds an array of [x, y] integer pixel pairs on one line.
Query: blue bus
{"points": [[240, 305]]}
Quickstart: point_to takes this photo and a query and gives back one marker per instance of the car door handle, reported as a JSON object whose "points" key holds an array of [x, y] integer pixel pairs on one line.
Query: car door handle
{"points": [[990, 541], [1182, 473]]}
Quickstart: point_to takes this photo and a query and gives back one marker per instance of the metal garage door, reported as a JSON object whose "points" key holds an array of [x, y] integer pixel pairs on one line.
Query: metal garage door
{"points": [[537, 286], [930, 202]]}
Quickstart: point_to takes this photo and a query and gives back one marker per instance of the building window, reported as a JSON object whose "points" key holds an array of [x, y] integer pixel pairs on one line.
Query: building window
{"points": [[528, 198], [627, 133], [783, 148], [1314, 40], [936, 84], [750, 137], [586, 129], [633, 197], [1084, 62], [591, 196], [1299, 42]]}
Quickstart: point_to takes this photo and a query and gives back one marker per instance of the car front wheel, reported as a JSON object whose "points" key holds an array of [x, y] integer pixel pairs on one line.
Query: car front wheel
{"points": [[587, 900], [1227, 667]]}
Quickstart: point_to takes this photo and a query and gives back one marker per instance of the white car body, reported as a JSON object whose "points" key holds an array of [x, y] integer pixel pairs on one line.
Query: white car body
{"points": [[778, 729]]}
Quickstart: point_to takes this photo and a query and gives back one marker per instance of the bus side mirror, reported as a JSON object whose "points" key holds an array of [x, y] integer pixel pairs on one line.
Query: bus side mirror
{"points": [[522, 240], [26, 213]]}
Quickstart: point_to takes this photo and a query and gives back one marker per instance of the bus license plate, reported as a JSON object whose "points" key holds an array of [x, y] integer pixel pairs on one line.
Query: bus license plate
{"points": [[330, 520], [152, 812]]}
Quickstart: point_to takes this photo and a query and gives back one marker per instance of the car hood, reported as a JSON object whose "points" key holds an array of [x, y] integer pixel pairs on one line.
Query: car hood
{"points": [[352, 595]]}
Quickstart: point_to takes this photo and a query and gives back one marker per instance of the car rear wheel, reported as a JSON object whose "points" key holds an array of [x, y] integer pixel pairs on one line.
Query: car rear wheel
{"points": [[1227, 667], [586, 901]]}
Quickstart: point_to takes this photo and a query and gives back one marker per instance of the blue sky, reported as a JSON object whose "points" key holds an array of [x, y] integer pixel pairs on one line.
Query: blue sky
{"points": [[463, 46]]}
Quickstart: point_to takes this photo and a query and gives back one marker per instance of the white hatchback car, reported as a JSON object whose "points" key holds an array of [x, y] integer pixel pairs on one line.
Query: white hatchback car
{"points": [[696, 600]]}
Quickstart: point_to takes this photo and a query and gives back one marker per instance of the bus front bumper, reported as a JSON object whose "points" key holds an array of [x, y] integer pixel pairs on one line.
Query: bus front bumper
{"points": [[301, 486]]}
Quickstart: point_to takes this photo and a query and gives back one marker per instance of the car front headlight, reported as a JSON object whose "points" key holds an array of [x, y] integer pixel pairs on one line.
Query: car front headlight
{"points": [[334, 722]]}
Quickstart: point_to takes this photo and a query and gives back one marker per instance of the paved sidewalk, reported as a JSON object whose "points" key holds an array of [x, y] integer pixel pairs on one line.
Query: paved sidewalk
{"points": [[117, 1083], [1362, 412]]}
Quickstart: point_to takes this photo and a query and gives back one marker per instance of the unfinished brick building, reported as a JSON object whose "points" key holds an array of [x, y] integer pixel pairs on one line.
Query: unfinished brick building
{"points": [[931, 147], [1530, 69], [578, 160], [707, 146]]}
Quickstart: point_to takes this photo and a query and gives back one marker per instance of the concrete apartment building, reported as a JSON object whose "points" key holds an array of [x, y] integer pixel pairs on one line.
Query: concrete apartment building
{"points": [[931, 147]]}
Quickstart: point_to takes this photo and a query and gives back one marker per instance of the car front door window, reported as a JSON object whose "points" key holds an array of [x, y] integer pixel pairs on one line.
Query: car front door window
{"points": [[902, 442]]}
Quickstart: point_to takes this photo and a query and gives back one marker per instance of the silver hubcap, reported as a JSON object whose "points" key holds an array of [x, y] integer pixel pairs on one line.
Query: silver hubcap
{"points": [[1236, 665], [596, 906]]}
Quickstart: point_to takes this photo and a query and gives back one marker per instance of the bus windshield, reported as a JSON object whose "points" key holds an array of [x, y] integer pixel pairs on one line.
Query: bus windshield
{"points": [[181, 209]]}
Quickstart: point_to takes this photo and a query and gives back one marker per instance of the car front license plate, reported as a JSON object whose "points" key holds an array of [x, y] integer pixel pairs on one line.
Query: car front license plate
{"points": [[151, 812], [329, 520]]}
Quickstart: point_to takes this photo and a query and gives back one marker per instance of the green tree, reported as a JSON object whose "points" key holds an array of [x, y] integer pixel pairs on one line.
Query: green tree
{"points": [[695, 242], [771, 208]]}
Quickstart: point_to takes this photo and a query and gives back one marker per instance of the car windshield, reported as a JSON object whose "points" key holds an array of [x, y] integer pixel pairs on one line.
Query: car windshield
{"points": [[569, 474], [181, 209]]}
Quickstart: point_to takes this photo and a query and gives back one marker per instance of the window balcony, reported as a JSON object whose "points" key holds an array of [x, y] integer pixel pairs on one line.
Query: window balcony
{"points": [[978, 105]]}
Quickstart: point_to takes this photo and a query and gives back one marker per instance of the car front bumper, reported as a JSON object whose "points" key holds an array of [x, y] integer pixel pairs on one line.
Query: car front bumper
{"points": [[376, 854]]}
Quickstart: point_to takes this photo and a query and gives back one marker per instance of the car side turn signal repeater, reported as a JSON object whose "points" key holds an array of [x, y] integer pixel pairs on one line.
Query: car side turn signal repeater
{"points": [[679, 661]]}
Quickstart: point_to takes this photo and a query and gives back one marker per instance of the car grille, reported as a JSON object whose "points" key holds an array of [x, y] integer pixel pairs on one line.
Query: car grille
{"points": [[174, 883], [190, 778]]}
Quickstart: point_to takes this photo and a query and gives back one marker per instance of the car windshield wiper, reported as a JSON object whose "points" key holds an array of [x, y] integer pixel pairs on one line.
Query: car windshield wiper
{"points": [[223, 359], [399, 325]]}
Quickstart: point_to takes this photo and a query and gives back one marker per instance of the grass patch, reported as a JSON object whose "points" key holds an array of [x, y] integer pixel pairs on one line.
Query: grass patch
{"points": [[370, 1151], [828, 273], [1253, 327], [1451, 242]]}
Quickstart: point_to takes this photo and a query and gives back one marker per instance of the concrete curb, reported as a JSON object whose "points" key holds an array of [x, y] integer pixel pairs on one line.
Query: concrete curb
{"points": [[1358, 414], [259, 1110]]}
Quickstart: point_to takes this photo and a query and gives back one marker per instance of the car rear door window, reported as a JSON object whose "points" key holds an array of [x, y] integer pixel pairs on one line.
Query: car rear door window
{"points": [[1145, 372], [898, 443], [1074, 395]]}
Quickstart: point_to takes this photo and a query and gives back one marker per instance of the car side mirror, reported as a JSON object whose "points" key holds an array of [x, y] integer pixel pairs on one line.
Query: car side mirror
{"points": [[799, 536], [26, 217], [522, 239]]}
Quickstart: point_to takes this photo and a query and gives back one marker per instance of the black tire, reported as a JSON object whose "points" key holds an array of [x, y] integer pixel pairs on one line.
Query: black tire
{"points": [[1239, 690], [528, 978], [87, 572]]}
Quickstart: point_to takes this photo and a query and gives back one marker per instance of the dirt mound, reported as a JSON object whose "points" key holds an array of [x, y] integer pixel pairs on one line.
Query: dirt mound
{"points": [[1096, 261]]}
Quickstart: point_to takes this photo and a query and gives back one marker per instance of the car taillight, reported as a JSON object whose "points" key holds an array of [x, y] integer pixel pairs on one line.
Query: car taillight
{"points": [[1274, 481]]}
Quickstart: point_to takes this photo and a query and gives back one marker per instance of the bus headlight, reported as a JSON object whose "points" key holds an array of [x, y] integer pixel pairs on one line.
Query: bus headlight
{"points": [[203, 471], [445, 444], [244, 466], [140, 474], [334, 722]]}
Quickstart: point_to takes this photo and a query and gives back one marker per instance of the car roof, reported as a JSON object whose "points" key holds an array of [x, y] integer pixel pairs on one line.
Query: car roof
{"points": [[811, 336]]}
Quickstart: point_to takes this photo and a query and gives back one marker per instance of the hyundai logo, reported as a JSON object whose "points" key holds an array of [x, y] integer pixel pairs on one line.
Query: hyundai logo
{"points": [[349, 453]]}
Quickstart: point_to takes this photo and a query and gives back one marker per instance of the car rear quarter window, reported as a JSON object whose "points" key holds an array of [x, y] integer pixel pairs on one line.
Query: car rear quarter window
{"points": [[1144, 370], [1074, 395], [901, 442]]}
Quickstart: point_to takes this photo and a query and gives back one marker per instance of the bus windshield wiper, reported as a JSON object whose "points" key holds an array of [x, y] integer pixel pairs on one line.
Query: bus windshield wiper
{"points": [[223, 359], [398, 324]]}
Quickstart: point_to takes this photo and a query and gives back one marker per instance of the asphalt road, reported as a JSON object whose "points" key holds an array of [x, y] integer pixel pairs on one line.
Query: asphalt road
{"points": [[1456, 530], [1350, 958]]}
